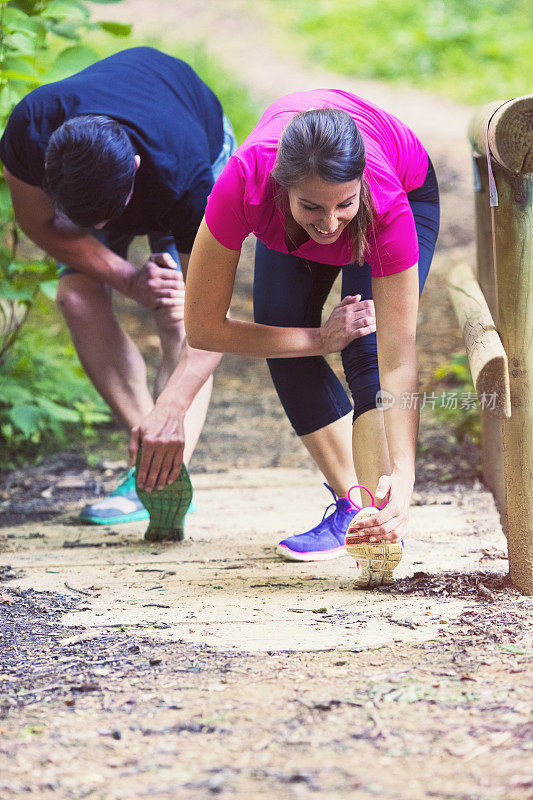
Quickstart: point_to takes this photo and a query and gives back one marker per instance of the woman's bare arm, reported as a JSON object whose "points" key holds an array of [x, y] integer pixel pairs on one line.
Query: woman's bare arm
{"points": [[210, 280], [396, 300]]}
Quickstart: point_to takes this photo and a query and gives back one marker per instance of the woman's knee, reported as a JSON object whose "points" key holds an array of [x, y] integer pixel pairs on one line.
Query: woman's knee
{"points": [[360, 362]]}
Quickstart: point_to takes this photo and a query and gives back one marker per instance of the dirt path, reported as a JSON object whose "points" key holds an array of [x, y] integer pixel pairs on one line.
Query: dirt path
{"points": [[133, 670], [214, 668]]}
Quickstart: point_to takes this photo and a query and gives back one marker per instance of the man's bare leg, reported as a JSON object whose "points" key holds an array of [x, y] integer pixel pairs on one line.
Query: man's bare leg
{"points": [[109, 357]]}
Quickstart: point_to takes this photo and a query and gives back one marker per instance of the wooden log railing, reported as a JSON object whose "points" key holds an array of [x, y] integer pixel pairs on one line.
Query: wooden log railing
{"points": [[484, 348], [501, 135]]}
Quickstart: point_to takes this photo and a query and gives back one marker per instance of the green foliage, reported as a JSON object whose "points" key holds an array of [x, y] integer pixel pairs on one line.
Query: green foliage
{"points": [[472, 50], [461, 413], [38, 411]]}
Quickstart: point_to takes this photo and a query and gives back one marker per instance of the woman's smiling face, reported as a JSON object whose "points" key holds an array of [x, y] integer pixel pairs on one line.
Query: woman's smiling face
{"points": [[324, 209]]}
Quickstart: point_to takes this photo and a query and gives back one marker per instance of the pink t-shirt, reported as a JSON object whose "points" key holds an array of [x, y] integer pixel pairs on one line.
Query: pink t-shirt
{"points": [[242, 200]]}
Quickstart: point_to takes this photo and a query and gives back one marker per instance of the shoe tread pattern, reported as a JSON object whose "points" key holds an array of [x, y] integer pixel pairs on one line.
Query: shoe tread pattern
{"points": [[167, 507], [376, 560]]}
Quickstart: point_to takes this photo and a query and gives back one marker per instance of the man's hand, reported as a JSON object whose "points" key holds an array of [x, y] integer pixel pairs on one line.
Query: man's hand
{"points": [[349, 320], [159, 284], [162, 437]]}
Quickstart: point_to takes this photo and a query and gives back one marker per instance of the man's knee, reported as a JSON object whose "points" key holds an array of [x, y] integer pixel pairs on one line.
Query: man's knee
{"points": [[82, 300]]}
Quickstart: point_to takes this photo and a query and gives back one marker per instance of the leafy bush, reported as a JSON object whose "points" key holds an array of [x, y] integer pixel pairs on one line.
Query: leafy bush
{"points": [[38, 412]]}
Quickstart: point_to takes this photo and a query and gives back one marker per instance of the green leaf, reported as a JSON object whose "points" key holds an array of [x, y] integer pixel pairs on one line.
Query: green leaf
{"points": [[15, 18], [20, 267], [65, 9], [56, 411], [26, 418], [13, 394], [12, 75], [9, 97], [115, 28], [21, 42], [8, 292], [68, 29], [5, 201], [73, 59], [49, 289], [18, 62]]}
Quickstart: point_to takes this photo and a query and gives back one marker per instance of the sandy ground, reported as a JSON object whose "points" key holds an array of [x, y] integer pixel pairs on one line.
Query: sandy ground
{"points": [[133, 670], [225, 585], [211, 667]]}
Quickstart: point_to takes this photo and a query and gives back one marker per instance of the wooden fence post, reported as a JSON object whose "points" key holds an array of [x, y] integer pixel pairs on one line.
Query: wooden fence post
{"points": [[504, 131], [491, 426]]}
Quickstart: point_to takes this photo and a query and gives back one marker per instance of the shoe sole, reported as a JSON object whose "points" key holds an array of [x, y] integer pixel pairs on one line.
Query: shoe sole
{"points": [[135, 517], [167, 508], [293, 555], [376, 561]]}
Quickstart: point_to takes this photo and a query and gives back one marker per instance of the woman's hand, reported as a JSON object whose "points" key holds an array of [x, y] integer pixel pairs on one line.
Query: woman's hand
{"points": [[161, 435], [390, 524], [348, 320]]}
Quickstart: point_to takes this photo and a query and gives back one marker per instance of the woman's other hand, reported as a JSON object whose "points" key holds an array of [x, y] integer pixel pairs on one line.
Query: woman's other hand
{"points": [[349, 320]]}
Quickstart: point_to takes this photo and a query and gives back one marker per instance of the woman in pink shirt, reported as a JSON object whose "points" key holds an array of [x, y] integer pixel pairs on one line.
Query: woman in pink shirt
{"points": [[328, 182]]}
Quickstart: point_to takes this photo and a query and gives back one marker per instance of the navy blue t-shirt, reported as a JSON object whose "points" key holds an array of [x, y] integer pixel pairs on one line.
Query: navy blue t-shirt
{"points": [[172, 118]]}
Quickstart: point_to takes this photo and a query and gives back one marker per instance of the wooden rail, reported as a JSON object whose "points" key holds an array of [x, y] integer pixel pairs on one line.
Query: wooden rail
{"points": [[501, 135]]}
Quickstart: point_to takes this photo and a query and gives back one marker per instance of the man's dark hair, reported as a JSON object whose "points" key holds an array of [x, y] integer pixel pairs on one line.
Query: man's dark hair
{"points": [[89, 169]]}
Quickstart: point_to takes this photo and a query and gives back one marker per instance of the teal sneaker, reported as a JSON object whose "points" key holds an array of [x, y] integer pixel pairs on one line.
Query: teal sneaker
{"points": [[122, 505]]}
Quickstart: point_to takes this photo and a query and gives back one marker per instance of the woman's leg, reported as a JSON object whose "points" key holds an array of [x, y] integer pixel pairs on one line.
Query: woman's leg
{"points": [[370, 451], [360, 361], [291, 291], [330, 449]]}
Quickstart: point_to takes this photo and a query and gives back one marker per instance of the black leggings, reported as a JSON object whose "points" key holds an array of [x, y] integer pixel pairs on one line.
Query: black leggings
{"points": [[290, 291]]}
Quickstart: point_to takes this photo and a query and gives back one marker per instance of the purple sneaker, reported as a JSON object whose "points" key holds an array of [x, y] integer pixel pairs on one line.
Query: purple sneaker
{"points": [[325, 540]]}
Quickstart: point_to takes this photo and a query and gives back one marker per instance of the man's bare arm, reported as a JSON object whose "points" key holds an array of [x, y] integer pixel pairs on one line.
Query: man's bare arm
{"points": [[64, 241]]}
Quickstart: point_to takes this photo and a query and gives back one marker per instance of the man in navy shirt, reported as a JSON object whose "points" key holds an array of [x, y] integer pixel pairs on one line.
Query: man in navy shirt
{"points": [[131, 145]]}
